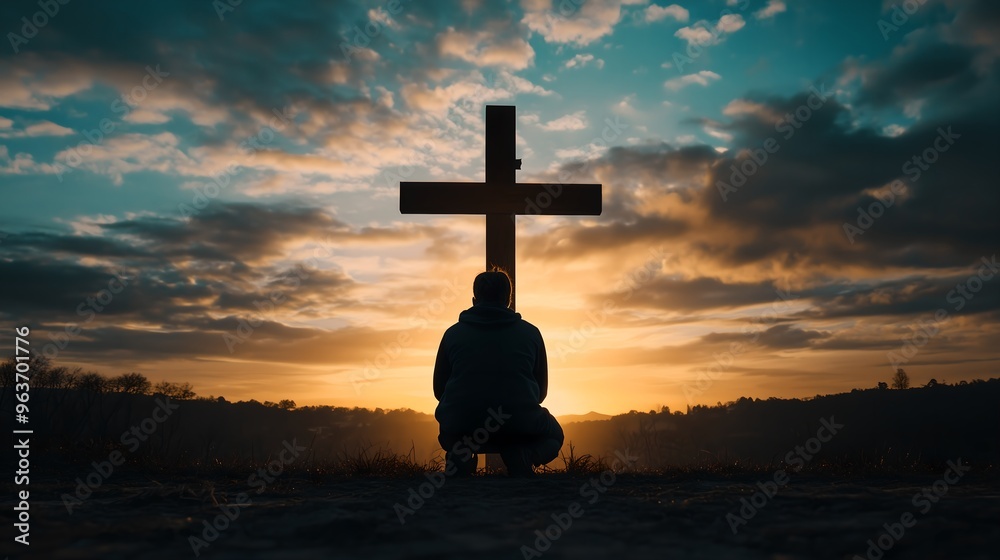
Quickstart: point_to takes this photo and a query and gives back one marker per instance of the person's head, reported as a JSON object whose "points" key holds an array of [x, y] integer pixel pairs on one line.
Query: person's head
{"points": [[491, 288]]}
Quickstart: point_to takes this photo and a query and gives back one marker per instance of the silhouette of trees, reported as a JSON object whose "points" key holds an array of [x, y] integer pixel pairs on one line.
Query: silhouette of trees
{"points": [[932, 383], [175, 390], [8, 369], [135, 383], [91, 381], [55, 378], [882, 385], [287, 404], [900, 380]]}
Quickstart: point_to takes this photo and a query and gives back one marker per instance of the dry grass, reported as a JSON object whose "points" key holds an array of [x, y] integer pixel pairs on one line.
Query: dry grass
{"points": [[370, 461]]}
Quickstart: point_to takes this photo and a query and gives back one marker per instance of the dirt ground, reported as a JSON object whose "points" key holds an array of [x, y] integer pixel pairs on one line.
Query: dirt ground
{"points": [[490, 517]]}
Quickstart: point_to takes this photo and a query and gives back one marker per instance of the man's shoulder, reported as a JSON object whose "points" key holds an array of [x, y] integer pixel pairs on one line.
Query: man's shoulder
{"points": [[527, 326]]}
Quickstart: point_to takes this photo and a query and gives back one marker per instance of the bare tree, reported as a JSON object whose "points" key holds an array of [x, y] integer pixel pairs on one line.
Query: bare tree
{"points": [[175, 390], [8, 373], [900, 380], [92, 381], [53, 378], [37, 364], [287, 404], [135, 383]]}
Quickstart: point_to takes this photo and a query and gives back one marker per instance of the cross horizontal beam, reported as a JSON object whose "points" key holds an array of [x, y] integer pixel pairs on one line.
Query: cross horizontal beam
{"points": [[553, 199]]}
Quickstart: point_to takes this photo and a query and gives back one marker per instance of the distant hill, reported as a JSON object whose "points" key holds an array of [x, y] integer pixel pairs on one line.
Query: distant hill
{"points": [[588, 417], [931, 424]]}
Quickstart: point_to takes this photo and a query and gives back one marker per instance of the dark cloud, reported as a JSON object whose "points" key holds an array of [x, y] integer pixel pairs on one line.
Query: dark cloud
{"points": [[263, 341], [828, 169], [195, 278], [778, 337], [223, 232], [258, 54], [182, 274], [674, 294], [966, 294], [938, 71]]}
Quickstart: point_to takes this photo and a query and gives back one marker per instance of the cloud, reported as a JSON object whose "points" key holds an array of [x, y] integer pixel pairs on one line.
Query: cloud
{"points": [[413, 95], [475, 89], [773, 8], [893, 130], [758, 110], [127, 153], [695, 294], [582, 60], [43, 128], [485, 48], [572, 121], [793, 209], [33, 87], [216, 262], [778, 337], [703, 33], [730, 23], [24, 164], [702, 78], [656, 13], [528, 118], [572, 22]]}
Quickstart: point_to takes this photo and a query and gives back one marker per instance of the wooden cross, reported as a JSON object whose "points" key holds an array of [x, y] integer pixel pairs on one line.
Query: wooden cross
{"points": [[501, 197]]}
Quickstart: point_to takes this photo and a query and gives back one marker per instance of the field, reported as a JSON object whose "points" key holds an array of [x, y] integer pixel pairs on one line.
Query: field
{"points": [[585, 513]]}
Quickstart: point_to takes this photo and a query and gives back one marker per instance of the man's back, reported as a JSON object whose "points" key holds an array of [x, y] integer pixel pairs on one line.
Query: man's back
{"points": [[490, 358]]}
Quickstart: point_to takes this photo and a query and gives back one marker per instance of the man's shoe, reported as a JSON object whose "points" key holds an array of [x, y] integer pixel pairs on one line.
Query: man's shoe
{"points": [[517, 459], [463, 467]]}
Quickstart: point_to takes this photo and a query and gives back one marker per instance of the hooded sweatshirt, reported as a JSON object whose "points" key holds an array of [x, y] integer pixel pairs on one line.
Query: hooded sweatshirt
{"points": [[490, 358]]}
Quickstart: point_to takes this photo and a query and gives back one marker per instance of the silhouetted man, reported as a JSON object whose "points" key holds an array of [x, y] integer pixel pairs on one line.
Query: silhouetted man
{"points": [[491, 376]]}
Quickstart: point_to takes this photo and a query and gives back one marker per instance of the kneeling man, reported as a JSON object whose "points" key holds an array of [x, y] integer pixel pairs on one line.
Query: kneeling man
{"points": [[490, 378]]}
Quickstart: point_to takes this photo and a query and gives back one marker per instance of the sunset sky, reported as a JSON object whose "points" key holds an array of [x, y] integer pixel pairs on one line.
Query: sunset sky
{"points": [[243, 161]]}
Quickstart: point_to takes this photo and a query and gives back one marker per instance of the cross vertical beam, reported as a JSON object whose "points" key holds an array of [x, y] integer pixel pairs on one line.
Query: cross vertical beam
{"points": [[500, 198], [500, 170]]}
